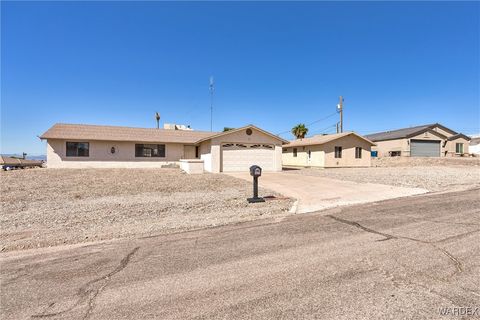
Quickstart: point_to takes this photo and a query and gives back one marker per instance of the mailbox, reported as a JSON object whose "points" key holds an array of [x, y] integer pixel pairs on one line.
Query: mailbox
{"points": [[255, 172]]}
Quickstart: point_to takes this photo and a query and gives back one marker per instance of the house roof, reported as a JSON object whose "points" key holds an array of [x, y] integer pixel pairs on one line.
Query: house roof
{"points": [[322, 139], [240, 129], [459, 135], [114, 133], [405, 132]]}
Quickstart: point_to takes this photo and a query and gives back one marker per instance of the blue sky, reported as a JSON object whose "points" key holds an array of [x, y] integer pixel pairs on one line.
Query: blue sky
{"points": [[275, 64]]}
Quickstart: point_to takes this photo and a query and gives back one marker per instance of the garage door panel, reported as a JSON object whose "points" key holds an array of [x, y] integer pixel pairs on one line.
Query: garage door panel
{"points": [[239, 157], [424, 148]]}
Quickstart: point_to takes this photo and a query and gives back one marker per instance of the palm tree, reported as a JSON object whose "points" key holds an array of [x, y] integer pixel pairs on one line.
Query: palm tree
{"points": [[157, 117], [300, 131]]}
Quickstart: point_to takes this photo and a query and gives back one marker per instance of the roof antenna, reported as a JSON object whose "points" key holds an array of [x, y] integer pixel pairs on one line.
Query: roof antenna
{"points": [[157, 117], [212, 89]]}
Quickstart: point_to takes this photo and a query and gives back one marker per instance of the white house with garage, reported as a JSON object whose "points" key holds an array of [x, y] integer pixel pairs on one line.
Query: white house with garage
{"points": [[95, 146]]}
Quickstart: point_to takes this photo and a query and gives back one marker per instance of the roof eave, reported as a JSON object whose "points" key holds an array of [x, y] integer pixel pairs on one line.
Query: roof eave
{"points": [[240, 129], [459, 135], [425, 130]]}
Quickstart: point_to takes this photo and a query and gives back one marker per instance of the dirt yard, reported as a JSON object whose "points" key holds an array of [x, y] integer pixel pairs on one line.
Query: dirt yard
{"points": [[41, 207], [433, 174], [426, 162]]}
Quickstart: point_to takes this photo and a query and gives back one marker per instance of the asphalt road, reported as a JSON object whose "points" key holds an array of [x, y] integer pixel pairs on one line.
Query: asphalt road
{"points": [[396, 259]]}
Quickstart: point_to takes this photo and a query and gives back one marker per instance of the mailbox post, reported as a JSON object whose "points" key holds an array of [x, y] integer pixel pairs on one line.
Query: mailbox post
{"points": [[255, 172]]}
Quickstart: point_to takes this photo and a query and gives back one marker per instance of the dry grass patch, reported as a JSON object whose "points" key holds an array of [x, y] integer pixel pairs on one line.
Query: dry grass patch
{"points": [[42, 207]]}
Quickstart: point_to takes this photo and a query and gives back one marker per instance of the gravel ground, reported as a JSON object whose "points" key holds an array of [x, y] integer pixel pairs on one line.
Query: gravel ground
{"points": [[425, 162], [41, 207], [431, 174]]}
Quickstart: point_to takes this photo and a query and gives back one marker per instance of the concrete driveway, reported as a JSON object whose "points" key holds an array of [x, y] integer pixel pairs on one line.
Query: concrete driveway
{"points": [[317, 193]]}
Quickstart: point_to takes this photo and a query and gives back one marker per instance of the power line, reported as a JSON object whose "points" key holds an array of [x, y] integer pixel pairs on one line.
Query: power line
{"points": [[309, 124], [329, 116], [325, 129]]}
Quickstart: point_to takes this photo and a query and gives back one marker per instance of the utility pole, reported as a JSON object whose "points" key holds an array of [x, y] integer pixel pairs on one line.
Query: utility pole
{"points": [[212, 89], [340, 110]]}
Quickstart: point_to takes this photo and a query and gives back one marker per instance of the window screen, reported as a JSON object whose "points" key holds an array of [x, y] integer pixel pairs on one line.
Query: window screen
{"points": [[150, 150], [78, 149]]}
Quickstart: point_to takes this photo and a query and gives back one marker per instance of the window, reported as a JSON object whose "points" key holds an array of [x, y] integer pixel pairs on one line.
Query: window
{"points": [[197, 152], [294, 152], [338, 152], [395, 153], [78, 149], [459, 148], [309, 154], [150, 150], [358, 153]]}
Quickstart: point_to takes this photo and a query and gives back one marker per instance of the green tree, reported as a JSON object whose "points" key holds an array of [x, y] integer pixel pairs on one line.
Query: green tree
{"points": [[225, 129], [300, 131]]}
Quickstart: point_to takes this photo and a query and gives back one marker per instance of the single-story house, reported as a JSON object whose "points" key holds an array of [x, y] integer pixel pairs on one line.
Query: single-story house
{"points": [[430, 140], [346, 149], [94, 146]]}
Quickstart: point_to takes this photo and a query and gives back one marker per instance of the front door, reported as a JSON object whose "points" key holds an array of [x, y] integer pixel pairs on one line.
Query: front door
{"points": [[309, 156]]}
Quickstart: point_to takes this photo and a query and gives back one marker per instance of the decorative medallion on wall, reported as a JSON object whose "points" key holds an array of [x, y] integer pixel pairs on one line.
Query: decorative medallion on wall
{"points": [[112, 150], [249, 132]]}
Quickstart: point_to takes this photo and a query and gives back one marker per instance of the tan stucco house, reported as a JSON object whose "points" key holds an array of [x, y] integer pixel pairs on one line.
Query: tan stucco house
{"points": [[94, 146], [431, 140], [346, 149]]}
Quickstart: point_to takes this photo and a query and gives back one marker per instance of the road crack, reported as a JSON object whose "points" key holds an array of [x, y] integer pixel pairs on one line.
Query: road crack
{"points": [[88, 293], [452, 258], [359, 226]]}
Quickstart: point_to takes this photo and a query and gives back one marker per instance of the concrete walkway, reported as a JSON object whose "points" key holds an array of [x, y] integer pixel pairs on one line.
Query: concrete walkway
{"points": [[317, 193]]}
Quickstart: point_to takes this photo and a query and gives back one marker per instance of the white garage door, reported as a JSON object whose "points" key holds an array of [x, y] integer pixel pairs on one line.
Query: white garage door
{"points": [[238, 157]]}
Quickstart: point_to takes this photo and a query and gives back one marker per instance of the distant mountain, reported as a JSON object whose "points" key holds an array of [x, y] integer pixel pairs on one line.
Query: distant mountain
{"points": [[30, 157]]}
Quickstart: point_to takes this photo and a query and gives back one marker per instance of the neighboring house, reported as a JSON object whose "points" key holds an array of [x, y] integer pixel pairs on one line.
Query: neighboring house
{"points": [[346, 149], [430, 140], [474, 146], [93, 146]]}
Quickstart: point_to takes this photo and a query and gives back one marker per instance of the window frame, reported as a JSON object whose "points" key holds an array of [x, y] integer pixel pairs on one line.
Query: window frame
{"points": [[338, 152], [459, 144], [77, 155], [358, 152], [142, 155]]}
